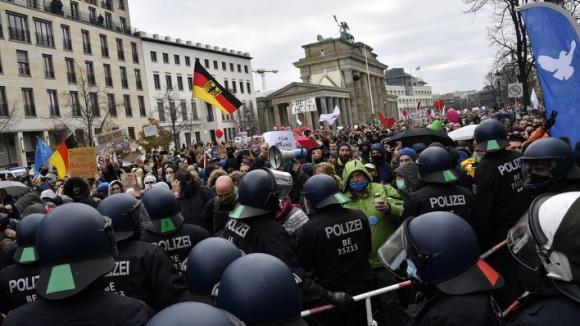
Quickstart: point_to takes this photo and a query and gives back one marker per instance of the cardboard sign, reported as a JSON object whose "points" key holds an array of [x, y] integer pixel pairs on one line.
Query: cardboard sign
{"points": [[284, 140], [82, 162], [301, 106], [150, 131], [113, 143]]}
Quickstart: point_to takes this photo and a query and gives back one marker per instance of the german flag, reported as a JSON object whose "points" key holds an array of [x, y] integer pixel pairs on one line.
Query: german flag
{"points": [[59, 158], [207, 89]]}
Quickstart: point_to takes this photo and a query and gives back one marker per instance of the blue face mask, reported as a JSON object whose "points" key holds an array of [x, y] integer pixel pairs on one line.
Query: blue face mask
{"points": [[358, 186], [401, 184]]}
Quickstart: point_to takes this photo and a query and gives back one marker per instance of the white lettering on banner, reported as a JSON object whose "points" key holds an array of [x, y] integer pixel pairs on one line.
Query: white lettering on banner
{"points": [[174, 243], [447, 201], [239, 228], [338, 230], [122, 268], [23, 284], [510, 167]]}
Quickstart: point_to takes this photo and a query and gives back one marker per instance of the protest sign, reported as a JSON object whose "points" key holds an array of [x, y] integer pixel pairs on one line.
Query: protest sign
{"points": [[284, 140], [82, 162], [301, 106]]}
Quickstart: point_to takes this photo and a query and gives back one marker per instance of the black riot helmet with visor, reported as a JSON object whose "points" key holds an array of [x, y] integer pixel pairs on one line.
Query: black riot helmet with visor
{"points": [[439, 249], [546, 161], [128, 215]]}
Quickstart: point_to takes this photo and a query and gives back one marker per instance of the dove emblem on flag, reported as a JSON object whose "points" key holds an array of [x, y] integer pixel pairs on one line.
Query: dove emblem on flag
{"points": [[561, 67]]}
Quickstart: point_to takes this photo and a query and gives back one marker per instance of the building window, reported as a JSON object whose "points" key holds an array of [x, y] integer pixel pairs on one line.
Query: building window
{"points": [[142, 110], [224, 67], [248, 88], [206, 63], [242, 87], [172, 111], [134, 52], [234, 87], [187, 61], [227, 84], [194, 115], [74, 104], [92, 15], [131, 131], [3, 102], [239, 68], [120, 51], [28, 101], [108, 20], [18, 28], [124, 81], [156, 81], [66, 40], [180, 83], [138, 82], [122, 4], [104, 46], [231, 67], [86, 42], [215, 64], [246, 69], [1, 30], [123, 21], [108, 75], [183, 105], [190, 82], [209, 109], [23, 64], [53, 103], [168, 83], [90, 73], [48, 66], [153, 56], [112, 104], [1, 66], [165, 58], [128, 109], [94, 104], [188, 138], [161, 110], [74, 10], [176, 59]]}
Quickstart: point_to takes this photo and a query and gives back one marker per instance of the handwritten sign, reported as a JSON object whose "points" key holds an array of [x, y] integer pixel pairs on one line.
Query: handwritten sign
{"points": [[284, 140], [82, 162], [301, 106]]}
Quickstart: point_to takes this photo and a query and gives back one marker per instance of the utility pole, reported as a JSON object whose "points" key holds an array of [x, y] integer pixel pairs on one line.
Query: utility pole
{"points": [[262, 72]]}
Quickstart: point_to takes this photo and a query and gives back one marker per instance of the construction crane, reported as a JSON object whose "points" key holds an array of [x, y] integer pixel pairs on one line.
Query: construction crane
{"points": [[262, 72]]}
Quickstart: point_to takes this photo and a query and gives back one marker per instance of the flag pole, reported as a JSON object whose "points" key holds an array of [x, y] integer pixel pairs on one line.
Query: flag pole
{"points": [[370, 90]]}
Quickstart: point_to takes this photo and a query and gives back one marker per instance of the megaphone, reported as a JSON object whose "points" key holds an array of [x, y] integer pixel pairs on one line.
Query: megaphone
{"points": [[277, 157]]}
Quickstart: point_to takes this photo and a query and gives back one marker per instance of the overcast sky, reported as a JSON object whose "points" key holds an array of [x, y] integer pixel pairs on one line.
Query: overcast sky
{"points": [[451, 47]]}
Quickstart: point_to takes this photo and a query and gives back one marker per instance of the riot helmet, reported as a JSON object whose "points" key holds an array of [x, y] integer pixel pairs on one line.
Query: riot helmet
{"points": [[435, 166], [164, 211], [490, 136], [191, 314], [127, 214], [439, 249], [26, 252], [321, 190], [546, 161], [75, 246], [260, 192], [206, 263], [259, 288]]}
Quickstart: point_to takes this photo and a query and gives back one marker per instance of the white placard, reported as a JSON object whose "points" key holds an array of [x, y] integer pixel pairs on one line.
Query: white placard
{"points": [[284, 140], [301, 106], [150, 131]]}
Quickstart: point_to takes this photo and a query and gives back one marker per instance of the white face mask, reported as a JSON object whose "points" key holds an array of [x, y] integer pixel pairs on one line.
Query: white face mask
{"points": [[169, 178]]}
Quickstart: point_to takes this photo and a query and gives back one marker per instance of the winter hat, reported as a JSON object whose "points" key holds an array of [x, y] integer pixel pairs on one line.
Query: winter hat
{"points": [[409, 152], [47, 194], [103, 186]]}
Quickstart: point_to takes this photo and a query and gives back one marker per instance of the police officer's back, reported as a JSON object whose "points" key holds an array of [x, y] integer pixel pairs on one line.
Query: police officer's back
{"points": [[142, 270], [439, 252], [334, 246], [75, 246], [167, 229], [18, 281], [440, 191], [545, 241]]}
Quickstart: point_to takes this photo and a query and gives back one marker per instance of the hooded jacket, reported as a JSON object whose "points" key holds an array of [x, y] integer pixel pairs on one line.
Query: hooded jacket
{"points": [[116, 182], [84, 194], [410, 172], [383, 168], [381, 225]]}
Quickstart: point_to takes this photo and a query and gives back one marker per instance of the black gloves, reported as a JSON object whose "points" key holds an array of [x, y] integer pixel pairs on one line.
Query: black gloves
{"points": [[339, 299], [551, 120]]}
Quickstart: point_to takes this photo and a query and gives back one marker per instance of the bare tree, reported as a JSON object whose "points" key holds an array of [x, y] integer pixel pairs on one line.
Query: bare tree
{"points": [[170, 113], [8, 118], [508, 35]]}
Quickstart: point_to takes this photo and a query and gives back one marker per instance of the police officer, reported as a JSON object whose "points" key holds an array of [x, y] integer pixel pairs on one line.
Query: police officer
{"points": [[193, 314], [252, 229], [545, 241], [440, 191], [142, 270], [439, 252], [206, 263], [17, 281], [548, 166], [500, 200], [260, 289], [75, 246], [334, 246], [167, 229]]}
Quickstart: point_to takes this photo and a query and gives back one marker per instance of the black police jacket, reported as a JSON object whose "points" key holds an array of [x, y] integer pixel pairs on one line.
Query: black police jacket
{"points": [[546, 308], [17, 285], [500, 198], [439, 197], [473, 309], [88, 308], [261, 234], [334, 246], [145, 272], [177, 244]]}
